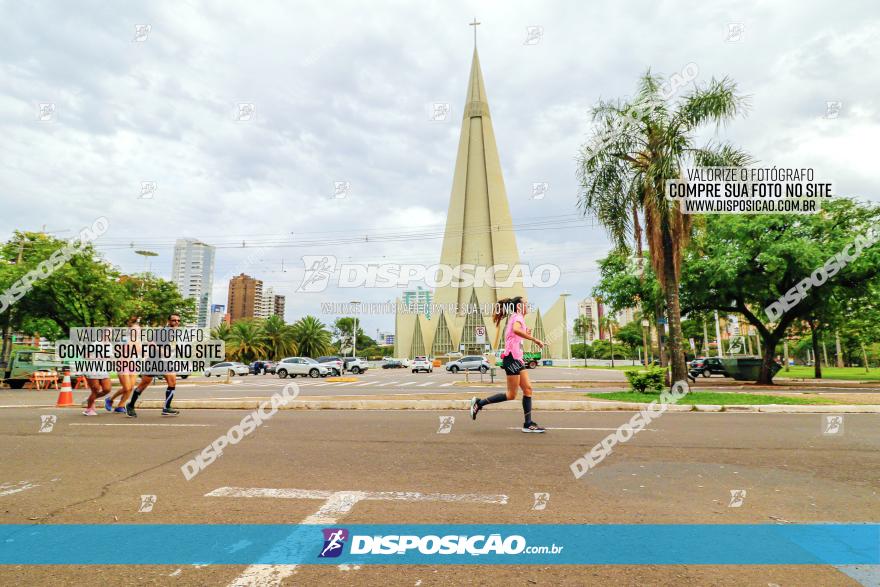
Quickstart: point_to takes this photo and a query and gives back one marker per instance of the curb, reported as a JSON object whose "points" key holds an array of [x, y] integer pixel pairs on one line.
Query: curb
{"points": [[549, 405]]}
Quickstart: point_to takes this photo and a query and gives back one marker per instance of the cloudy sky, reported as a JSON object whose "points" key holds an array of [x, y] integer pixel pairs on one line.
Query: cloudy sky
{"points": [[342, 92]]}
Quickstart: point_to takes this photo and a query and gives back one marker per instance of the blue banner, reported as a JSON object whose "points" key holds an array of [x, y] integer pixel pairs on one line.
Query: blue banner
{"points": [[614, 544]]}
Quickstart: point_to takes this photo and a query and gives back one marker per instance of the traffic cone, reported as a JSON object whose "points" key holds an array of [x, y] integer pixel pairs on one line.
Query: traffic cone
{"points": [[65, 396]]}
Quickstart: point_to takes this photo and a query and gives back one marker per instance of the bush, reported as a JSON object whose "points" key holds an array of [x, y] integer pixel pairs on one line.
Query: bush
{"points": [[647, 380]]}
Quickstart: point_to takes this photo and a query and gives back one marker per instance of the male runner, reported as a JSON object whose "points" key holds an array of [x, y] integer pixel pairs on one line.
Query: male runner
{"points": [[170, 380]]}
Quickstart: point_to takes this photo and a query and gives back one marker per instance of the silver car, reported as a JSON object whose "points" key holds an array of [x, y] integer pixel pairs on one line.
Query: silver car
{"points": [[302, 366], [469, 363]]}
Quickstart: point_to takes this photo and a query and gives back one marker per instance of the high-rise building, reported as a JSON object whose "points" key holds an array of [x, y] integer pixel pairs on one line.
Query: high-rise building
{"points": [[478, 202], [594, 311], [218, 315], [266, 305], [245, 299], [193, 272], [279, 303]]}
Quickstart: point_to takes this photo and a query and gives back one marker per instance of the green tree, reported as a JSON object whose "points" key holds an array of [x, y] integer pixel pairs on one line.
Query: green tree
{"points": [[583, 325], [623, 170], [246, 341], [745, 263], [630, 334], [280, 339], [609, 324], [154, 299], [221, 332], [311, 336]]}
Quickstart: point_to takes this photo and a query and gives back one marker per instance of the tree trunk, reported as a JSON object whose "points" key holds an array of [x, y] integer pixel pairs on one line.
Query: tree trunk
{"points": [[824, 352], [705, 338], [673, 311], [817, 366], [864, 355], [766, 378], [837, 348], [785, 353]]}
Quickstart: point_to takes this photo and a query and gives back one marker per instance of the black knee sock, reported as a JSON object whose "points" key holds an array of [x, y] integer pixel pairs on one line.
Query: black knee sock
{"points": [[527, 408], [493, 399], [134, 397], [169, 395]]}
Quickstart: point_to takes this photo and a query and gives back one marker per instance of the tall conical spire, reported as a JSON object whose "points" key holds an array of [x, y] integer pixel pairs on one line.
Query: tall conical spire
{"points": [[478, 226]]}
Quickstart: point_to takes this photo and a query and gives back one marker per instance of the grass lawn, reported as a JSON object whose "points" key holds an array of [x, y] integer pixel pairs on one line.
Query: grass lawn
{"points": [[854, 373], [712, 398]]}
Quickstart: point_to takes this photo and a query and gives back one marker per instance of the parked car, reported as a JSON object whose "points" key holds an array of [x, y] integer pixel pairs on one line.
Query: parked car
{"points": [[336, 364], [231, 368], [422, 364], [270, 367], [355, 365], [393, 364], [468, 363], [302, 366], [23, 363], [530, 360], [707, 366]]}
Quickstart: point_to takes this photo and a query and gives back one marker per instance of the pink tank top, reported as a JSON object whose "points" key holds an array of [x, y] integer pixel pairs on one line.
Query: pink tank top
{"points": [[513, 342]]}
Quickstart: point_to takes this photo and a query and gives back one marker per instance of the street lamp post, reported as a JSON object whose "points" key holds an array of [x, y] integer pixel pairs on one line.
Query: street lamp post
{"points": [[354, 335], [564, 297], [146, 255]]}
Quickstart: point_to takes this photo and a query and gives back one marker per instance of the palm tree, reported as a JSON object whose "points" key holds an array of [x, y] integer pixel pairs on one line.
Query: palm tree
{"points": [[221, 332], [623, 170], [246, 341], [311, 336], [584, 324], [279, 338], [608, 323]]}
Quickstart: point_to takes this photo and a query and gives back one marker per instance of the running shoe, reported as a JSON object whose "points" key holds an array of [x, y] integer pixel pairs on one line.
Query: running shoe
{"points": [[108, 404], [170, 412], [475, 407], [120, 410], [129, 411], [532, 427], [90, 412]]}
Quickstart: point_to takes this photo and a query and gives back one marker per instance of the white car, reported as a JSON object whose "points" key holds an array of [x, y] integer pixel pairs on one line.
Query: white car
{"points": [[230, 367], [302, 366], [422, 364]]}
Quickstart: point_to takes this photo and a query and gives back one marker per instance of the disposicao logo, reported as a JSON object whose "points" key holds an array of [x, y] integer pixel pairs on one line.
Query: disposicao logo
{"points": [[334, 541]]}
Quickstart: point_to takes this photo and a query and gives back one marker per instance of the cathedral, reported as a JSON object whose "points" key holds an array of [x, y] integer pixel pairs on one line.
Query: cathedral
{"points": [[479, 232]]}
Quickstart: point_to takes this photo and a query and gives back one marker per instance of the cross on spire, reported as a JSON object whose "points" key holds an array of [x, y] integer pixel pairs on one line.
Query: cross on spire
{"points": [[474, 24]]}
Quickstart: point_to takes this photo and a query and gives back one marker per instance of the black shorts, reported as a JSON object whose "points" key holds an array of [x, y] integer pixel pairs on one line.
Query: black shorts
{"points": [[511, 366]]}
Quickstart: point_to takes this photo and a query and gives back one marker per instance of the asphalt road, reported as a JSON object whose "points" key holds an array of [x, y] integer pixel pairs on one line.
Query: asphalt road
{"points": [[94, 470]]}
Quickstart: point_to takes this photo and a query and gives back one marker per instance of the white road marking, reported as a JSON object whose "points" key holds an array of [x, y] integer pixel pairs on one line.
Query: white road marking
{"points": [[368, 495], [447, 384], [30, 406], [134, 424], [425, 384], [336, 505], [406, 383], [10, 488], [347, 383], [367, 383]]}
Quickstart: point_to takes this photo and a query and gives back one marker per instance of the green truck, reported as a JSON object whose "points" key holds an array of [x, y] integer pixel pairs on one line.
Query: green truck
{"points": [[531, 360], [23, 363]]}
